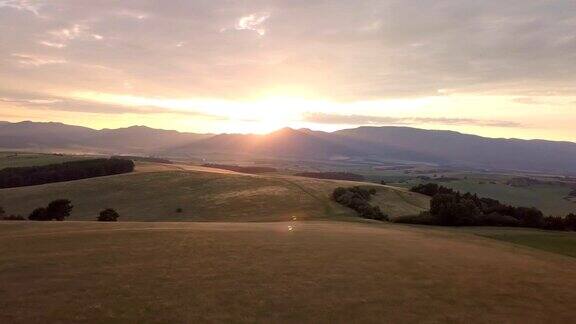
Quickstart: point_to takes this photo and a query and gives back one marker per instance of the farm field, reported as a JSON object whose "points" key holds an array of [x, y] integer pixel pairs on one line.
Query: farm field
{"points": [[26, 159], [551, 241], [263, 272], [550, 198]]}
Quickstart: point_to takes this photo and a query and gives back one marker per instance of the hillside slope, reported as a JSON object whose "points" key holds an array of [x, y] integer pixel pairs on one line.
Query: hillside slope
{"points": [[157, 191]]}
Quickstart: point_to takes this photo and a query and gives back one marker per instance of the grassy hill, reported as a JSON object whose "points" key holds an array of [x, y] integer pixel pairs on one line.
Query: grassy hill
{"points": [[263, 272], [26, 159], [156, 191]]}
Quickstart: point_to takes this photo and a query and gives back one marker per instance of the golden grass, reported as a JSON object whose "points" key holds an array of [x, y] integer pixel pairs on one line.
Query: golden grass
{"points": [[319, 272], [156, 191]]}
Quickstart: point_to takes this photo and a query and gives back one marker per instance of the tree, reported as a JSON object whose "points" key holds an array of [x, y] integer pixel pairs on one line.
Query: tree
{"points": [[529, 217], [2, 212], [39, 214], [59, 209], [108, 215], [452, 210], [570, 222], [555, 223]]}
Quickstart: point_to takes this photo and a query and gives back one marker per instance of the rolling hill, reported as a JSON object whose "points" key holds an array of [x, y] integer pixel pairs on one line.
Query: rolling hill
{"points": [[386, 144], [156, 191]]}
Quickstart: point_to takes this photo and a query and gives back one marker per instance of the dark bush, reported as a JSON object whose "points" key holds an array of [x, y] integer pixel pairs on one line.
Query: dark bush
{"points": [[570, 221], [555, 223], [529, 217], [108, 215], [453, 210], [431, 189], [179, 210], [39, 214], [75, 170], [357, 198], [57, 210]]}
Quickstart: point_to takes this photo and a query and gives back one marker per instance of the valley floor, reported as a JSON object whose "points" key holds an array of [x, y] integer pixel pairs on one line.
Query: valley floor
{"points": [[320, 271]]}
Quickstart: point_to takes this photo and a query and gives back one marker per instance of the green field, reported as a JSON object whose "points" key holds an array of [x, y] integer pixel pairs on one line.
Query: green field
{"points": [[548, 198], [551, 241], [318, 272], [157, 191], [25, 159]]}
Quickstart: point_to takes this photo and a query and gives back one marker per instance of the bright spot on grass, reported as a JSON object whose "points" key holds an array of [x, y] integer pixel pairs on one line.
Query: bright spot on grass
{"points": [[290, 228], [293, 217]]}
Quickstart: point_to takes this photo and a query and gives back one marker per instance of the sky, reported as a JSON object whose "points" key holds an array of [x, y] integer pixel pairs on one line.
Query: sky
{"points": [[493, 68]]}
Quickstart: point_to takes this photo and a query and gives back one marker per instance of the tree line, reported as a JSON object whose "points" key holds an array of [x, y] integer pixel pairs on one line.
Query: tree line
{"points": [[452, 208], [59, 210], [67, 171], [358, 199]]}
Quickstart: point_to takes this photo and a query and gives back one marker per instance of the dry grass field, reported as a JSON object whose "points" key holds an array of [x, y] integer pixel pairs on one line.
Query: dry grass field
{"points": [[319, 272], [156, 191]]}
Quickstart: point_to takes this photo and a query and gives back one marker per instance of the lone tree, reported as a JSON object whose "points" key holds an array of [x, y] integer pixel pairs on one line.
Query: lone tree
{"points": [[2, 212], [39, 214], [108, 215], [59, 209]]}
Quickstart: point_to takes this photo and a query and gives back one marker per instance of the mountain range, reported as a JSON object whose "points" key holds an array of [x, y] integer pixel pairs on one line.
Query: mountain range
{"points": [[386, 144]]}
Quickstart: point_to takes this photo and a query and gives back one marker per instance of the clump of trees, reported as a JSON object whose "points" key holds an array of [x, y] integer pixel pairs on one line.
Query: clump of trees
{"points": [[452, 208], [67, 171], [57, 210], [332, 175], [358, 198], [108, 215]]}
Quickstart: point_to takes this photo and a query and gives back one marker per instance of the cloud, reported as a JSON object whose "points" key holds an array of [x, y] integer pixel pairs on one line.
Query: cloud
{"points": [[55, 103], [32, 60], [253, 22], [23, 5], [346, 50], [52, 44], [527, 101], [323, 118]]}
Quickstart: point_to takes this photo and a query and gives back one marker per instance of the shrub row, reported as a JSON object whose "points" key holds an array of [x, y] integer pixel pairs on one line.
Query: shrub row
{"points": [[59, 210], [357, 198]]}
